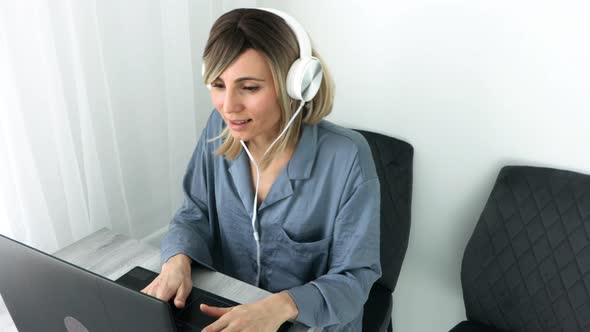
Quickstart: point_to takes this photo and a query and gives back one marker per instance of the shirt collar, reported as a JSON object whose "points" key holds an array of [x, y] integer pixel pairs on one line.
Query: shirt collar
{"points": [[303, 159], [240, 172], [299, 167]]}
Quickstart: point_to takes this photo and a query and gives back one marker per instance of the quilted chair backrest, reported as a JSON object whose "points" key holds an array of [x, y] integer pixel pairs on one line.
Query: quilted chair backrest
{"points": [[394, 162], [527, 265]]}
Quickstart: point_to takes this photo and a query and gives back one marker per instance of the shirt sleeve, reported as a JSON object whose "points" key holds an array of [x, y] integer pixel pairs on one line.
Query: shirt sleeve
{"points": [[190, 230], [338, 297]]}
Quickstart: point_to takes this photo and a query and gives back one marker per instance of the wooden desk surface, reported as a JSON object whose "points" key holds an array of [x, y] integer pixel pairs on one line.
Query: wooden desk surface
{"points": [[111, 255]]}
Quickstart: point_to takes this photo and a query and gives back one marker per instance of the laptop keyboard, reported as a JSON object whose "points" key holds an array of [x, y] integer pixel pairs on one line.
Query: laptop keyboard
{"points": [[189, 318], [192, 314]]}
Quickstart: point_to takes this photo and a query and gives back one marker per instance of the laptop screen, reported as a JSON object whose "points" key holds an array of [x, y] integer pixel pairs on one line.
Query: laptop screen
{"points": [[44, 293]]}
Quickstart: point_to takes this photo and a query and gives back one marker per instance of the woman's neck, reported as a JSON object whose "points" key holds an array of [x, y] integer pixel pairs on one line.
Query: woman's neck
{"points": [[258, 145]]}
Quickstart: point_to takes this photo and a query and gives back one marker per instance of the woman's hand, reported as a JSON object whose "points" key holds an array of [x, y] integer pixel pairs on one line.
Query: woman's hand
{"points": [[265, 315], [175, 279]]}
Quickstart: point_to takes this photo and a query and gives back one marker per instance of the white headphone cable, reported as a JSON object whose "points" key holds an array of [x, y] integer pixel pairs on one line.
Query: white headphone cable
{"points": [[254, 208]]}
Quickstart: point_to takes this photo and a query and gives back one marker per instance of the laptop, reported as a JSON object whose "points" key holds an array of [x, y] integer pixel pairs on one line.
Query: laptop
{"points": [[45, 293]]}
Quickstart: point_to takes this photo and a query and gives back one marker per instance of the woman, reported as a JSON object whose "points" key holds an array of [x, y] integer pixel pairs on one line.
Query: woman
{"points": [[274, 195]]}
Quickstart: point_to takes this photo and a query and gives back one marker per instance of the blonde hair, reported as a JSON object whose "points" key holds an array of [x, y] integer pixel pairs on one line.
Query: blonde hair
{"points": [[242, 29]]}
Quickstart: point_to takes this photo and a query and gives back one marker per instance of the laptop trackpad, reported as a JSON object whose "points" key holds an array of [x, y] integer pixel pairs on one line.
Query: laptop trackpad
{"points": [[193, 315]]}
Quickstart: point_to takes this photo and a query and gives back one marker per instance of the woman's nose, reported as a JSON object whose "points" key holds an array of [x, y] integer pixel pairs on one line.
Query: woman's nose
{"points": [[232, 102]]}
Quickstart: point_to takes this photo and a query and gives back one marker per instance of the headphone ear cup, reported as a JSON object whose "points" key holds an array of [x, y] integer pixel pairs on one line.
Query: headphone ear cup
{"points": [[304, 78]]}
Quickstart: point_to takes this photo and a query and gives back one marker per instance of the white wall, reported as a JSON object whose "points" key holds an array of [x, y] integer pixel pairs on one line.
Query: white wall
{"points": [[472, 85]]}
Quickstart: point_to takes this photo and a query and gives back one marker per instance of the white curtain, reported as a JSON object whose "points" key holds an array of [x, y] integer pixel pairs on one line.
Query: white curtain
{"points": [[99, 112]]}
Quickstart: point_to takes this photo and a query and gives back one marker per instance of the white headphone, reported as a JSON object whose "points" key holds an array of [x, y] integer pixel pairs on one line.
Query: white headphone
{"points": [[305, 74]]}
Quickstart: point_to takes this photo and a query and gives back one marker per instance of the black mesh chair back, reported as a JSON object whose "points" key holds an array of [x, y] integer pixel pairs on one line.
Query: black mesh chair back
{"points": [[526, 268], [394, 163]]}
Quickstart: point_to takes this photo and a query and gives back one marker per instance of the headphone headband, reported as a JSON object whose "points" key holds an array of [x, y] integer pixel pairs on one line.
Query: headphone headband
{"points": [[298, 30]]}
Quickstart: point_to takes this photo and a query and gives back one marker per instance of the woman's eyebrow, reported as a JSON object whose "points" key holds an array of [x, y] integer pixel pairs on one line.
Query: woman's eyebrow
{"points": [[246, 78]]}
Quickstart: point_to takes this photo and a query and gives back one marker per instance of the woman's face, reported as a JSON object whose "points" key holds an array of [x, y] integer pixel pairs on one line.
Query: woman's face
{"points": [[245, 96]]}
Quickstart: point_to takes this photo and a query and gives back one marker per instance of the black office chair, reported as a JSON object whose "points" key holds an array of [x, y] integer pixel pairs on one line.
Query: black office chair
{"points": [[394, 163], [526, 267]]}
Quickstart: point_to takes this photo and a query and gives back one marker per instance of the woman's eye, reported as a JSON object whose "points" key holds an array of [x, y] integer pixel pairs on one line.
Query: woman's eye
{"points": [[217, 85], [250, 88]]}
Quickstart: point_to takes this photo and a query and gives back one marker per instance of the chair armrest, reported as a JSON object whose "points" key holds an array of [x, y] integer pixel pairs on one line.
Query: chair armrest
{"points": [[377, 312]]}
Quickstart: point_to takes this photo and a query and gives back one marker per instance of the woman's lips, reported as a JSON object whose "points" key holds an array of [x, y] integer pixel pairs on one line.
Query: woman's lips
{"points": [[239, 125]]}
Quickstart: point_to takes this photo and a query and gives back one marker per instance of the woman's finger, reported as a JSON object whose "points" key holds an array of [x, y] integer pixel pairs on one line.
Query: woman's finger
{"points": [[214, 311], [219, 325], [164, 292], [181, 295], [149, 288]]}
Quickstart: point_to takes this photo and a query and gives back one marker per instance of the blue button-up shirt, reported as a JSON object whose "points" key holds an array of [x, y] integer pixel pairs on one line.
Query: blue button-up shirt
{"points": [[318, 225]]}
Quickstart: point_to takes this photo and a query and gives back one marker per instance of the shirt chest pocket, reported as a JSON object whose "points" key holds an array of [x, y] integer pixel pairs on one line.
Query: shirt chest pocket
{"points": [[305, 226], [300, 260]]}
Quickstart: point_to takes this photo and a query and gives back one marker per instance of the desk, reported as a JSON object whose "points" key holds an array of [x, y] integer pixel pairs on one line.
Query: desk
{"points": [[111, 255]]}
